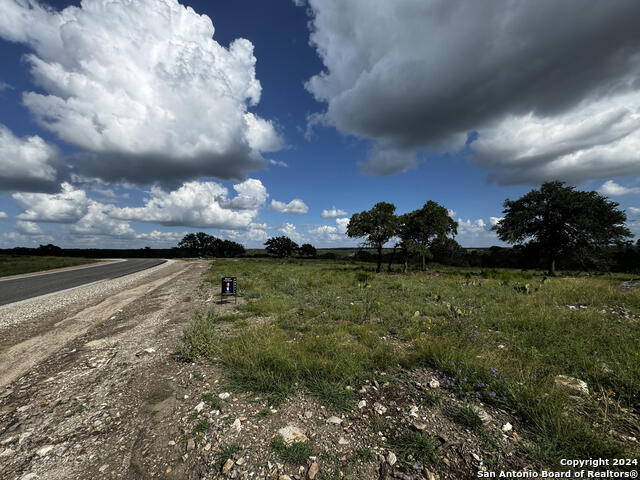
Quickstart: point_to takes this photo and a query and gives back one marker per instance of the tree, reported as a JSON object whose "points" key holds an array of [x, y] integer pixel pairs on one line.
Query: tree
{"points": [[199, 244], [418, 230], [281, 246], [559, 219], [204, 245], [378, 225], [307, 250]]}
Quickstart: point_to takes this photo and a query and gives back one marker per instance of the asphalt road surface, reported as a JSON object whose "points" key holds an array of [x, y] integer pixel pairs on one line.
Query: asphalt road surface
{"points": [[34, 286]]}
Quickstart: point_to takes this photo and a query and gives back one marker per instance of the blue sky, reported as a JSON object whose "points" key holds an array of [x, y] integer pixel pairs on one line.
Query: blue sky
{"points": [[130, 124]]}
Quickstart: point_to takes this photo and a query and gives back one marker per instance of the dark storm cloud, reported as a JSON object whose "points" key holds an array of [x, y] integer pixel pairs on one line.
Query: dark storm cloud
{"points": [[417, 74]]}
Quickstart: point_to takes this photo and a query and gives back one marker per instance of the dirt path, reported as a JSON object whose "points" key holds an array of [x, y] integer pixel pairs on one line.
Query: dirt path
{"points": [[74, 391]]}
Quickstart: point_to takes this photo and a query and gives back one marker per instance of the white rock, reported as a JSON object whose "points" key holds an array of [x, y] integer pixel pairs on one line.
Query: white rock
{"points": [[150, 350], [224, 395], [8, 440], [571, 383], [227, 466], [362, 403], [413, 412], [44, 450], [237, 424], [292, 433], [507, 427], [391, 458], [103, 468], [433, 383], [199, 407], [7, 452], [343, 441], [334, 420], [379, 408]]}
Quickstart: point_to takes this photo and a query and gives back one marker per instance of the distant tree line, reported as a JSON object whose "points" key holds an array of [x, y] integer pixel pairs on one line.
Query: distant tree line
{"points": [[553, 227]]}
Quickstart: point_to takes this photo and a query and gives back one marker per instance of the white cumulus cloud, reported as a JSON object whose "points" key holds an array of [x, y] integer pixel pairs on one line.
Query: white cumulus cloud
{"points": [[3, 214], [333, 213], [612, 188], [199, 204], [68, 206], [290, 230], [28, 228], [143, 88], [295, 207], [25, 163]]}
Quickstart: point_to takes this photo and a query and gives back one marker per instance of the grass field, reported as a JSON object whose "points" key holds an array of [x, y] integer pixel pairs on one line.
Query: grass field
{"points": [[496, 336], [17, 264]]}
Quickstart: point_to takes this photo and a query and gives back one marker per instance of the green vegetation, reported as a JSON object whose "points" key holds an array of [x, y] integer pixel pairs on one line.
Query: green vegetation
{"points": [[320, 326], [421, 447], [211, 400], [227, 451], [295, 453], [465, 415], [18, 264]]}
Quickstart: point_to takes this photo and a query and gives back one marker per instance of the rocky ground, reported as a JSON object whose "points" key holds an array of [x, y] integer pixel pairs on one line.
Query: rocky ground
{"points": [[107, 398]]}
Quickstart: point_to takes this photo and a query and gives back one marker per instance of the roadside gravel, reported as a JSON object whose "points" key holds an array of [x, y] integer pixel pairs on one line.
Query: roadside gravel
{"points": [[16, 313]]}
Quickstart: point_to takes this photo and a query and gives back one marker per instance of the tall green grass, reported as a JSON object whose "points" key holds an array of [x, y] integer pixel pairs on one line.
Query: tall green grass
{"points": [[329, 324]]}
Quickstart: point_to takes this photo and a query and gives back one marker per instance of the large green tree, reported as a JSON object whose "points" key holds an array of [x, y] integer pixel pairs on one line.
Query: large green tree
{"points": [[377, 225], [559, 219], [418, 230], [281, 246], [204, 245]]}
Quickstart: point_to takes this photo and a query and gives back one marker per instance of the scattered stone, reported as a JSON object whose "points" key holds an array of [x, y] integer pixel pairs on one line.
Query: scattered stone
{"points": [[362, 403], [507, 427], [228, 465], [571, 383], [207, 447], [379, 408], [419, 426], [413, 412], [476, 457], [7, 452], [172, 443], [237, 424], [334, 420], [191, 444], [308, 414], [391, 459], [199, 407], [433, 383], [103, 468], [313, 471], [168, 470], [224, 395], [284, 477], [240, 461], [9, 440], [292, 433], [44, 450], [484, 416], [429, 474], [343, 441]]}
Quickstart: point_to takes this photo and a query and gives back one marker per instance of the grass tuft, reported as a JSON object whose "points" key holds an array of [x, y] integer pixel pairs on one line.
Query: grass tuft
{"points": [[294, 453]]}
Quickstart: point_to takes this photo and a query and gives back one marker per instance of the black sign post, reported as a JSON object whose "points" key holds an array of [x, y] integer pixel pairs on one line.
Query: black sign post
{"points": [[229, 288]]}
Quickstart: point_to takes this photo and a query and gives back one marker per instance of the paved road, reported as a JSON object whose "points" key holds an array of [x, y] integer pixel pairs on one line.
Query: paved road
{"points": [[34, 286]]}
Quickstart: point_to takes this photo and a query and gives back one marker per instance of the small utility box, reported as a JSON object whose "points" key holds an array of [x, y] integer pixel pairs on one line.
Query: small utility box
{"points": [[229, 288]]}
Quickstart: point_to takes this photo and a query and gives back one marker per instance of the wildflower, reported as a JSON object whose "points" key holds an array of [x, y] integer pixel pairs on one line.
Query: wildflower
{"points": [[492, 394]]}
